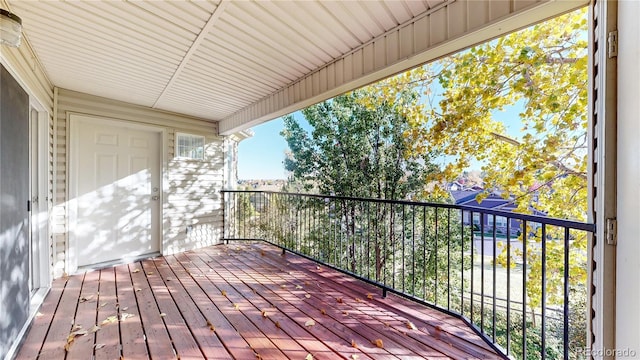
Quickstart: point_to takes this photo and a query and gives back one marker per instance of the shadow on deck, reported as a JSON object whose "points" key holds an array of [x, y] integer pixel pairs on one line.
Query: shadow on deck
{"points": [[241, 301]]}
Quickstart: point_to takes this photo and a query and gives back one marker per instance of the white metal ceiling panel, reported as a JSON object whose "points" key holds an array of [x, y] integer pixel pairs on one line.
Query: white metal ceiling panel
{"points": [[244, 62]]}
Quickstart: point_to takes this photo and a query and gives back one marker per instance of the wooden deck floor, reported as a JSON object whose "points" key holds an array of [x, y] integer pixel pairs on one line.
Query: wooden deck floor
{"points": [[242, 301]]}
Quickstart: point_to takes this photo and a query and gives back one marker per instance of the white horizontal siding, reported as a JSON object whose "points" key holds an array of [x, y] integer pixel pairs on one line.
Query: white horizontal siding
{"points": [[191, 188], [449, 27]]}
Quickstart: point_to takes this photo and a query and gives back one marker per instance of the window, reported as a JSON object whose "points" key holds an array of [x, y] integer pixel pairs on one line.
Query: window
{"points": [[189, 146]]}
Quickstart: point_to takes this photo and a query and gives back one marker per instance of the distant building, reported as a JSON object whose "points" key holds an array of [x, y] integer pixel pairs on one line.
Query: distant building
{"points": [[493, 201]]}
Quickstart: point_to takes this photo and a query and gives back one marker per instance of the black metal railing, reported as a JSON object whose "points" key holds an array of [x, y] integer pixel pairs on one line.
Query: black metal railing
{"points": [[518, 280]]}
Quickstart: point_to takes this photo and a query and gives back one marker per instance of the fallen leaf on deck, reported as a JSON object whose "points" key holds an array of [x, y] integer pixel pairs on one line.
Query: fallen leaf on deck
{"points": [[378, 343], [136, 271], [309, 323], [323, 312], [98, 346], [76, 327], [358, 300], [79, 333], [298, 287], [163, 314], [210, 325], [262, 252], [411, 326], [38, 314], [317, 267], [236, 306], [125, 308], [339, 300], [124, 316], [103, 304], [355, 357], [109, 320], [438, 332], [264, 313], [353, 344], [72, 336], [94, 328], [224, 293], [307, 283], [278, 324], [86, 298], [283, 286], [345, 313], [138, 289], [150, 273], [309, 357], [307, 296]]}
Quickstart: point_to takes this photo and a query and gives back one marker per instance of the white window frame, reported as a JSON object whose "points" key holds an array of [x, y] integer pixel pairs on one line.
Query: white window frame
{"points": [[198, 155]]}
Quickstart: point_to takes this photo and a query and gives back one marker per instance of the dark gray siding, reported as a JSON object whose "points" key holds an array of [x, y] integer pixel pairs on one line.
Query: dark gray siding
{"points": [[14, 223]]}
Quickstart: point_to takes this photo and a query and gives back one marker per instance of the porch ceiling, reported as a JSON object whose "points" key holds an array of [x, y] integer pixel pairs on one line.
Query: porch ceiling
{"points": [[242, 62]]}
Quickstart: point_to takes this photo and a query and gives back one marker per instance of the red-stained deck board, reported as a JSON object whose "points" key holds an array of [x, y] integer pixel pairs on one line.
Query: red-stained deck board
{"points": [[329, 331], [85, 317], [42, 322], [236, 345], [260, 343], [131, 331], [209, 344], [108, 337], [185, 345], [208, 303], [293, 326], [60, 328], [446, 330], [369, 328], [156, 331]]}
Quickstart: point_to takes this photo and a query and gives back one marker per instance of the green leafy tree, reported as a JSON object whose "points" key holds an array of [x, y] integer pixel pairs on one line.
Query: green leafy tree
{"points": [[358, 150], [543, 71]]}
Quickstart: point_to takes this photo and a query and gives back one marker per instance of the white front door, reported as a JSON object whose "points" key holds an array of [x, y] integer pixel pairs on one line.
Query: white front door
{"points": [[116, 180]]}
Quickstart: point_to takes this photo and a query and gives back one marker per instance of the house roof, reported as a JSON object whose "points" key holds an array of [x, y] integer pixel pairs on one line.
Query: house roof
{"points": [[242, 62], [492, 201]]}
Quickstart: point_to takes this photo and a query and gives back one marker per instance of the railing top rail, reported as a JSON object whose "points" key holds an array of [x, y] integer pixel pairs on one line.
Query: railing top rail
{"points": [[589, 227]]}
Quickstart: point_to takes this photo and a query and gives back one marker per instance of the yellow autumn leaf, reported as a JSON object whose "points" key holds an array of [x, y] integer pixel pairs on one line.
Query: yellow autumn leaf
{"points": [[378, 343], [109, 320]]}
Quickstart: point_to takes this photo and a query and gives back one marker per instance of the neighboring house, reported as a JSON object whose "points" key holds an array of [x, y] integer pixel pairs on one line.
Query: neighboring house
{"points": [[495, 201], [119, 123]]}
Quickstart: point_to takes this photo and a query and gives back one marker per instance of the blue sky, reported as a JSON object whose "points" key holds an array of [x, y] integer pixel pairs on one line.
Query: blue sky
{"points": [[262, 156]]}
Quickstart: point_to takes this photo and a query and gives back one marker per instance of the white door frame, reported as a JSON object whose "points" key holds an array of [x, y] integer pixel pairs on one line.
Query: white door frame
{"points": [[39, 216], [72, 178]]}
